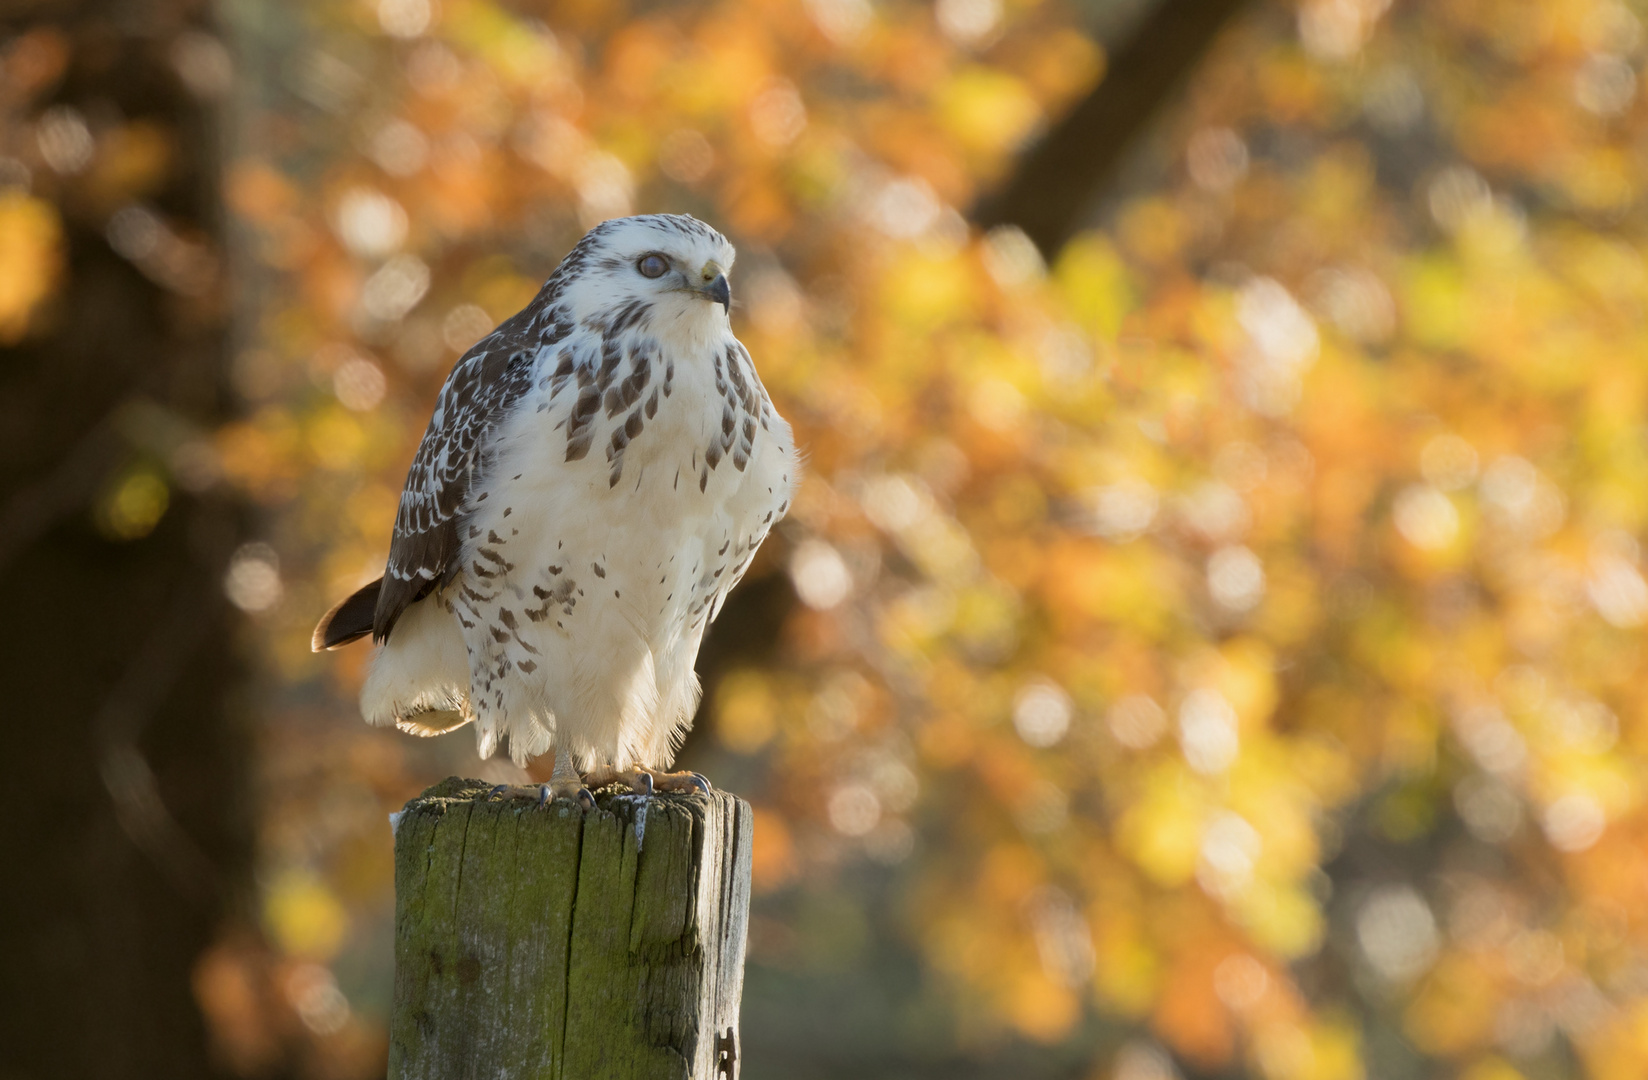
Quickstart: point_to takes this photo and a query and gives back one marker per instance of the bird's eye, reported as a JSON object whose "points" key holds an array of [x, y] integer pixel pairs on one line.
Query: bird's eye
{"points": [[652, 266]]}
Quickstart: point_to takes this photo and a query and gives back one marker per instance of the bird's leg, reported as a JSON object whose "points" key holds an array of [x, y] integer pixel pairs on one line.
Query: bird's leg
{"points": [[564, 783]]}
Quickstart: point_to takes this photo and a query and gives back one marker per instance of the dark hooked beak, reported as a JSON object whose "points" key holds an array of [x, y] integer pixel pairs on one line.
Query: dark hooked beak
{"points": [[719, 291]]}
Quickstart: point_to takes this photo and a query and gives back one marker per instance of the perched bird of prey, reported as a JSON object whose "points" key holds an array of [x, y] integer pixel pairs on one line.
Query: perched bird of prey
{"points": [[597, 476]]}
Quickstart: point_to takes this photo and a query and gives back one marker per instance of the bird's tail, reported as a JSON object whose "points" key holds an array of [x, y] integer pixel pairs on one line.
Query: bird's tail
{"points": [[419, 680], [349, 619]]}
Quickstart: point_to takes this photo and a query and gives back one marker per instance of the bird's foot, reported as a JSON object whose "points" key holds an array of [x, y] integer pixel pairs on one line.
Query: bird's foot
{"points": [[644, 781], [541, 794], [687, 782], [637, 780]]}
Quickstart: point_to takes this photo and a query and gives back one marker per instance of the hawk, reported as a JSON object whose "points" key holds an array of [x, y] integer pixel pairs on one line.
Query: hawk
{"points": [[597, 476]]}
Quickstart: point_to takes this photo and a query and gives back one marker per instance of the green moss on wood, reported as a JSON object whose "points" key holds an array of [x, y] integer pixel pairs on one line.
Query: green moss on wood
{"points": [[541, 943]]}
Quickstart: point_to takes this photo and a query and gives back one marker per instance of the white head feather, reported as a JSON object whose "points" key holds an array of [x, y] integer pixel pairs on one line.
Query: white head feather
{"points": [[607, 274]]}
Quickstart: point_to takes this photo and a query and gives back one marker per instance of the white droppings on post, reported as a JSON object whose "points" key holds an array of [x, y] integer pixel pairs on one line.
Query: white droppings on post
{"points": [[640, 824], [395, 822]]}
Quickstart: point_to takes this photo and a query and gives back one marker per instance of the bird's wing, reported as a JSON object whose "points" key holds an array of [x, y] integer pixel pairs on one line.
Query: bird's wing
{"points": [[485, 385]]}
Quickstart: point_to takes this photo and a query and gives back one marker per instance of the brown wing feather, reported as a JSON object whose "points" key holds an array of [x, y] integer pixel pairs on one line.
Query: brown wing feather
{"points": [[454, 454], [487, 381]]}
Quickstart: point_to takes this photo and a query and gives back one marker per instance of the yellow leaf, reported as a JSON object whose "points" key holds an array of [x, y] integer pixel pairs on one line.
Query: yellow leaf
{"points": [[987, 110], [304, 917], [31, 259], [745, 712], [1162, 831]]}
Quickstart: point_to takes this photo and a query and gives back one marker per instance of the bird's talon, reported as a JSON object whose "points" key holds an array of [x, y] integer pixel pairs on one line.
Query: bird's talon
{"points": [[643, 785], [493, 794], [543, 794], [586, 798], [684, 782]]}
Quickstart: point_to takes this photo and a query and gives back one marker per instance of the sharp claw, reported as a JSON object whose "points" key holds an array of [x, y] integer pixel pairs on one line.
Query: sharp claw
{"points": [[543, 794], [493, 794], [586, 798], [643, 785], [703, 782]]}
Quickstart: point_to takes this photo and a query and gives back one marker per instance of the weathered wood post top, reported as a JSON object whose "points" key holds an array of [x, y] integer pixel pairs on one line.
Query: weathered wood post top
{"points": [[550, 943]]}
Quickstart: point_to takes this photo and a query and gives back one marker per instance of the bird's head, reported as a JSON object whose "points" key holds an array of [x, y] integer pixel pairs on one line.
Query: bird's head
{"points": [[674, 264]]}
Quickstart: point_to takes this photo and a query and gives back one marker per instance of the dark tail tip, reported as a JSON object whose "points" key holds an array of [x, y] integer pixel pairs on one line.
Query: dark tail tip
{"points": [[349, 619]]}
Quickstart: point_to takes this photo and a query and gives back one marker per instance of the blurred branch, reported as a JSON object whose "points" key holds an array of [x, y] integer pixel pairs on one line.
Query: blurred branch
{"points": [[32, 511], [126, 772], [1059, 177]]}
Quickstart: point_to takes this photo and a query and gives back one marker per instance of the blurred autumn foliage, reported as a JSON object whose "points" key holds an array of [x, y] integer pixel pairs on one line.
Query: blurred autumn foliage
{"points": [[1211, 648]]}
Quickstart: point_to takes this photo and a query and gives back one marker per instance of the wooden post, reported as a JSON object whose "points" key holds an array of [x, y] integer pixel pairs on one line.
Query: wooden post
{"points": [[547, 943]]}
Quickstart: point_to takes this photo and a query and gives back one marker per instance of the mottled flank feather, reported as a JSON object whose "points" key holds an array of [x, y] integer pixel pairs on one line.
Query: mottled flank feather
{"points": [[554, 596]]}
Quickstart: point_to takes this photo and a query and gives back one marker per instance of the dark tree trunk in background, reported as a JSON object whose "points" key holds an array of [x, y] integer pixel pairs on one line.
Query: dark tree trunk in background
{"points": [[1058, 180], [127, 835]]}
